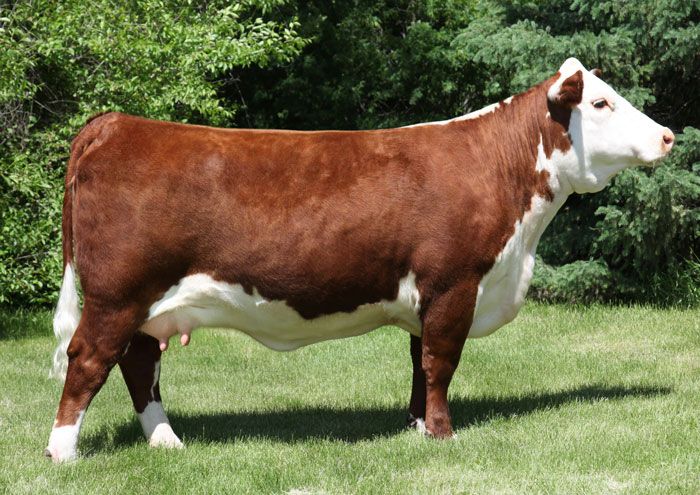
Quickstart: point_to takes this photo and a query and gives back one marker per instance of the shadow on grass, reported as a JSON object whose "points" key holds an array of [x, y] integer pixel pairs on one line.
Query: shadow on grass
{"points": [[352, 425]]}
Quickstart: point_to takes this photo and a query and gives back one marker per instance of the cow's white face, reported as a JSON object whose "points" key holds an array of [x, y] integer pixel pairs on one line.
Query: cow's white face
{"points": [[608, 134]]}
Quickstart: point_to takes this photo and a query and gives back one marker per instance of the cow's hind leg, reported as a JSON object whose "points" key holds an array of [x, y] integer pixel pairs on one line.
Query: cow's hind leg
{"points": [[140, 366], [416, 408], [99, 340]]}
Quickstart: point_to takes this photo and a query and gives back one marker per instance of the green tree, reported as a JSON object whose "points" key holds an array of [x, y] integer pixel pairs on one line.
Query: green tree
{"points": [[370, 64]]}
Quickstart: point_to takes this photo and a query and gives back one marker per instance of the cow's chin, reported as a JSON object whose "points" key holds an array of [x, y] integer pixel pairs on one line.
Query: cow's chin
{"points": [[651, 163], [607, 167], [648, 158], [600, 173]]}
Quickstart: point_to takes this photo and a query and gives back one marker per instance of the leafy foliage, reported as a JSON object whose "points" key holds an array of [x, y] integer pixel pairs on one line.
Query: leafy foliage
{"points": [[651, 216], [576, 282], [370, 64]]}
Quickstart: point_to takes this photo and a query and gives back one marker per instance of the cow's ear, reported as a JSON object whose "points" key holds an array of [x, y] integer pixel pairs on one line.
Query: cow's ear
{"points": [[569, 92], [597, 73]]}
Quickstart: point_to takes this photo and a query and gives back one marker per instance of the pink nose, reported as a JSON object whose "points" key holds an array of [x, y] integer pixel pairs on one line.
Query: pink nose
{"points": [[668, 139]]}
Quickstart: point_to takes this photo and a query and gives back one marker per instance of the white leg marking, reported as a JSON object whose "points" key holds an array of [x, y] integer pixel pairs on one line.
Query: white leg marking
{"points": [[63, 441], [157, 428]]}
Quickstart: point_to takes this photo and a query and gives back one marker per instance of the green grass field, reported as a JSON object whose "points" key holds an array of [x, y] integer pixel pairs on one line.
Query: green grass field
{"points": [[563, 400]]}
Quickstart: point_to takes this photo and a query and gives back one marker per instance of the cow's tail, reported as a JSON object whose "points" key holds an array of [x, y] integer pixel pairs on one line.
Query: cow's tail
{"points": [[67, 315]]}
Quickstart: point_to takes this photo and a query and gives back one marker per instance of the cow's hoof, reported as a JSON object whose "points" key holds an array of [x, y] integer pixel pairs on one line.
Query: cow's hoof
{"points": [[164, 436], [444, 436], [58, 457], [438, 434]]}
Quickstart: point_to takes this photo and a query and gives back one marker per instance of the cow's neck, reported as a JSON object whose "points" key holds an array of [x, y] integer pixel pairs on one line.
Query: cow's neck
{"points": [[529, 167], [503, 289], [533, 151], [553, 153], [543, 209]]}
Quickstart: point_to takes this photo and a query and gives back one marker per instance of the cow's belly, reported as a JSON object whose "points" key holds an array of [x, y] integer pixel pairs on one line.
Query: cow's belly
{"points": [[200, 301]]}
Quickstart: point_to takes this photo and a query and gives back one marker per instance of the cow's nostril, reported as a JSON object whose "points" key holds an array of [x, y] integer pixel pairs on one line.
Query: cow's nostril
{"points": [[668, 137]]}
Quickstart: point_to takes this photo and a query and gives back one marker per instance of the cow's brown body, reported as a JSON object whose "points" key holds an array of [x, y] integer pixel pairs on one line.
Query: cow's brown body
{"points": [[326, 221]]}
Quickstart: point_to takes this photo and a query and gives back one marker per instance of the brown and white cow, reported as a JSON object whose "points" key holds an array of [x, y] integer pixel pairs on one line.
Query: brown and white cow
{"points": [[299, 237]]}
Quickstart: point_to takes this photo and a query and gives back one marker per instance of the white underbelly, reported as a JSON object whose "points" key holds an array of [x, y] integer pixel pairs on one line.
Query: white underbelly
{"points": [[200, 301]]}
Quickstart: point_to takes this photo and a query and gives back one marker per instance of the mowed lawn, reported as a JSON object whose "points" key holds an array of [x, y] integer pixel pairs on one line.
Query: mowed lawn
{"points": [[563, 400]]}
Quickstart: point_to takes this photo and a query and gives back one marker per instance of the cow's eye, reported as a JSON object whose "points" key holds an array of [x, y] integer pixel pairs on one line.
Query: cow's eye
{"points": [[602, 103]]}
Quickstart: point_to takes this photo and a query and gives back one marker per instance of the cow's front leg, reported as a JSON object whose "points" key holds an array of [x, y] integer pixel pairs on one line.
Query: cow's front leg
{"points": [[446, 323], [99, 340], [140, 366], [416, 408]]}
